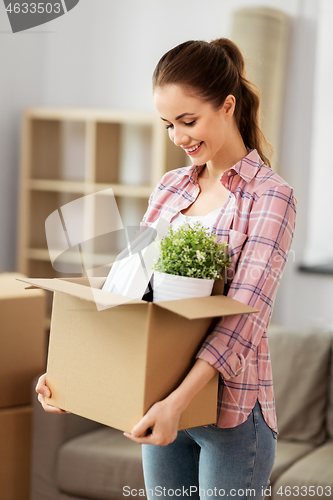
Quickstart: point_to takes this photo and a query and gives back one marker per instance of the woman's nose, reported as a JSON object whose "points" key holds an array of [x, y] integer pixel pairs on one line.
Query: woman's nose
{"points": [[179, 137]]}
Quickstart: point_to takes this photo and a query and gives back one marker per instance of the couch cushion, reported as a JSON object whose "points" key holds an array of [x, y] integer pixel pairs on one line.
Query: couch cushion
{"points": [[310, 478], [99, 464], [288, 452], [300, 364]]}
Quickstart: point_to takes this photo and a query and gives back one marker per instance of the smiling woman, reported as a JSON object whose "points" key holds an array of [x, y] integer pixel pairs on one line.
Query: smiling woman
{"points": [[211, 111]]}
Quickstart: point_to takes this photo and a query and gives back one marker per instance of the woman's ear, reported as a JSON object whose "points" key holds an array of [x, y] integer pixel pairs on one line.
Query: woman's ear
{"points": [[228, 106]]}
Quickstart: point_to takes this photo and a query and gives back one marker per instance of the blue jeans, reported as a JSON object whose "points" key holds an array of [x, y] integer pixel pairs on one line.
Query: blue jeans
{"points": [[210, 462]]}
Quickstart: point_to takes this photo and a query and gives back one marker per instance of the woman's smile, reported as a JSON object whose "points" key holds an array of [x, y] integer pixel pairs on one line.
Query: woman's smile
{"points": [[193, 150]]}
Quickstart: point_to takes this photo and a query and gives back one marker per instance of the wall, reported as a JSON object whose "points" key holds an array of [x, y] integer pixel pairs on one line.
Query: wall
{"points": [[321, 158], [103, 54], [21, 84], [108, 55], [305, 299]]}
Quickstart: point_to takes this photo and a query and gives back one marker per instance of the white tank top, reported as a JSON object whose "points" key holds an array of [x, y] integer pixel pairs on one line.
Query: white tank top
{"points": [[206, 220]]}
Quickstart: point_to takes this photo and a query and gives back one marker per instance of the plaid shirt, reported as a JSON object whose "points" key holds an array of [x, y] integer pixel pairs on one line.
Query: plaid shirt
{"points": [[257, 222]]}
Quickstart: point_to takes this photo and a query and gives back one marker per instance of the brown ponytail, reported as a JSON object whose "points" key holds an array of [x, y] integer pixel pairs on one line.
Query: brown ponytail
{"points": [[215, 70]]}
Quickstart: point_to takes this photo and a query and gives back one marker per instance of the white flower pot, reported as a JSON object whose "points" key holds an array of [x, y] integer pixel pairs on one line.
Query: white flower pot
{"points": [[172, 287]]}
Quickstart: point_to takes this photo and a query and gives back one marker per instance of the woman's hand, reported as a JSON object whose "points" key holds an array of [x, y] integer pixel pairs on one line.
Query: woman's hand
{"points": [[159, 426], [43, 391]]}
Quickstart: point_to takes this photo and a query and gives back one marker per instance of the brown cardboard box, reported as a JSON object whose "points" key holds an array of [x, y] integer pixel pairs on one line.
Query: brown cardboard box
{"points": [[15, 449], [22, 337], [112, 365]]}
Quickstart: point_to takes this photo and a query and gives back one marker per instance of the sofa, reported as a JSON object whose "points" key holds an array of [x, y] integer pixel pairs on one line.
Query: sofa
{"points": [[77, 459]]}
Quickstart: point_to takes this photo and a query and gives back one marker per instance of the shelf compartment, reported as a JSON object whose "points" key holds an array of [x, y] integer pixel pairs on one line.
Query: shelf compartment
{"points": [[45, 149], [123, 153], [42, 204], [85, 219], [58, 149], [107, 152], [96, 260], [43, 269], [131, 212]]}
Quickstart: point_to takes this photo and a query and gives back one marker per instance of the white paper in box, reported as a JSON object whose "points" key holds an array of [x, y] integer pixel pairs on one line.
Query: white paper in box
{"points": [[133, 268]]}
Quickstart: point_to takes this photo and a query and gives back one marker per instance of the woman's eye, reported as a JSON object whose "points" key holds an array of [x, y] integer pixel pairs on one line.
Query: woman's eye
{"points": [[189, 124]]}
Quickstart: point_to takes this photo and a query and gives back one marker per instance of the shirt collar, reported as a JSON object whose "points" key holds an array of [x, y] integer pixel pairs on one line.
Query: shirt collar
{"points": [[247, 167]]}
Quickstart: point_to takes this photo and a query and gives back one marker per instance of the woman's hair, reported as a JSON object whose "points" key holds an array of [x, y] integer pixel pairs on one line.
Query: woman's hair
{"points": [[213, 71]]}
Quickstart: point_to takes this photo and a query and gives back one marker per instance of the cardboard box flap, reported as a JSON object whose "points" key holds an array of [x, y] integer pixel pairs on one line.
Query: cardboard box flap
{"points": [[206, 307], [80, 291], [11, 288]]}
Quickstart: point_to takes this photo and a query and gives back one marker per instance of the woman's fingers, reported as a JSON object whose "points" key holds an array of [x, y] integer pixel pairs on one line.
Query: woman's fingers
{"points": [[161, 437], [49, 408], [159, 426], [41, 387], [143, 428], [141, 440], [141, 432], [43, 391]]}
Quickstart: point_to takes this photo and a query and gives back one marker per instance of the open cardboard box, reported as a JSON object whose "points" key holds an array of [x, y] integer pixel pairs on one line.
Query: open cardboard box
{"points": [[112, 365]]}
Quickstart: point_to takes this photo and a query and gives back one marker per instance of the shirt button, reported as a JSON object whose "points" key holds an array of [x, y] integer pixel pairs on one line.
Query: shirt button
{"points": [[229, 173], [226, 184]]}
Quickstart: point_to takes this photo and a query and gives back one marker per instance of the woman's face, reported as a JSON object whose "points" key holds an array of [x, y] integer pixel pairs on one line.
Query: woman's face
{"points": [[195, 125]]}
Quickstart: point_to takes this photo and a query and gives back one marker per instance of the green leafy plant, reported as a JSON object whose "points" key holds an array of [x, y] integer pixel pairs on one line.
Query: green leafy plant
{"points": [[192, 252]]}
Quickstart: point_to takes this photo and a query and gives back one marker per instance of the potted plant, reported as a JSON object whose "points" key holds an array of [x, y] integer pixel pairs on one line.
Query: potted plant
{"points": [[189, 262]]}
